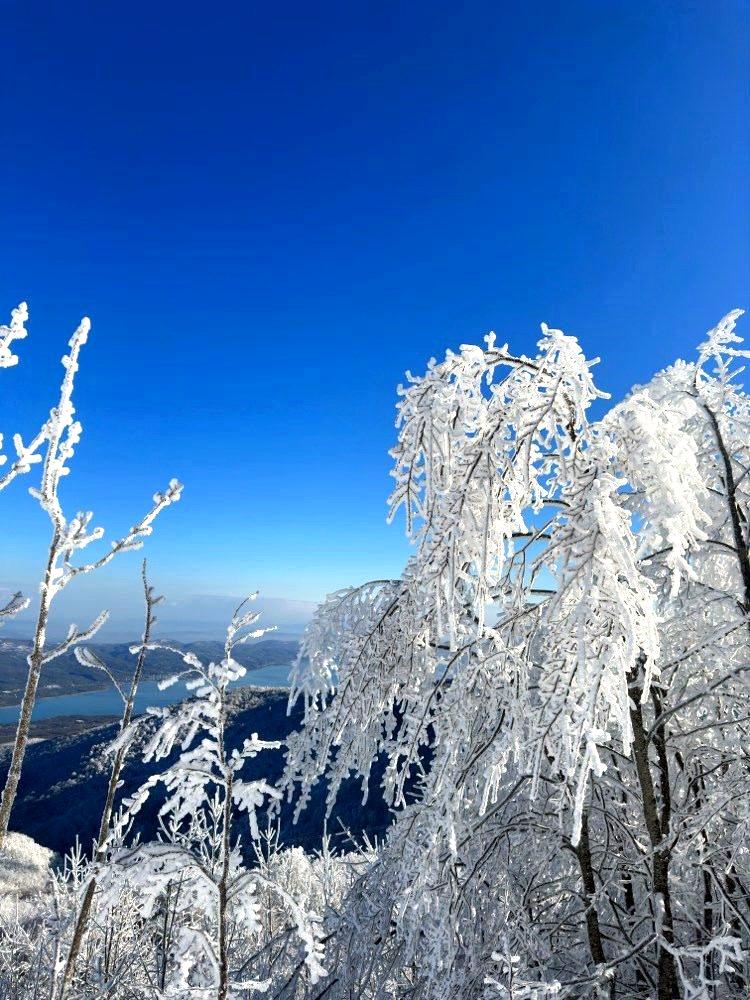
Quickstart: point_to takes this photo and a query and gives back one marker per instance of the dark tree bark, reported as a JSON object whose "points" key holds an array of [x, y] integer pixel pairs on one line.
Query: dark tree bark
{"points": [[655, 819], [593, 929]]}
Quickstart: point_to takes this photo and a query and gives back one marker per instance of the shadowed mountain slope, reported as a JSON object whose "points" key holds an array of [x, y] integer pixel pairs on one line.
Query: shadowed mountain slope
{"points": [[64, 781]]}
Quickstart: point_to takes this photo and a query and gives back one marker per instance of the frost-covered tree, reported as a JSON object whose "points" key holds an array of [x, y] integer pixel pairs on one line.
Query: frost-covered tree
{"points": [[69, 536], [557, 683], [215, 898]]}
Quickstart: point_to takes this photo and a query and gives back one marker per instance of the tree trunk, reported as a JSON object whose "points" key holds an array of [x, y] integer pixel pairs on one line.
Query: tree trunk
{"points": [[735, 516], [226, 846], [36, 660], [667, 973], [593, 930], [19, 746]]}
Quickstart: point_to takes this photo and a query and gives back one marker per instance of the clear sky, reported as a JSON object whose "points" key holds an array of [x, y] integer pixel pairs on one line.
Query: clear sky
{"points": [[270, 211]]}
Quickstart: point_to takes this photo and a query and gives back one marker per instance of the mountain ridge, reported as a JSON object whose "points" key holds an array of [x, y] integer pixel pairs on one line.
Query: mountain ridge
{"points": [[65, 675]]}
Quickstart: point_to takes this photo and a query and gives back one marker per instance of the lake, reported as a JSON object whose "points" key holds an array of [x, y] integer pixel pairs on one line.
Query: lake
{"points": [[108, 701]]}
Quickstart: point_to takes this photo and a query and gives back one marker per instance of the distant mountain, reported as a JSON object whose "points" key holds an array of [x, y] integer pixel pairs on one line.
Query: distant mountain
{"points": [[189, 617], [65, 675], [64, 781]]}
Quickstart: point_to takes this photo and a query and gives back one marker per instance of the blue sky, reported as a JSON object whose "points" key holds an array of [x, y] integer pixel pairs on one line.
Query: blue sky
{"points": [[270, 212]]}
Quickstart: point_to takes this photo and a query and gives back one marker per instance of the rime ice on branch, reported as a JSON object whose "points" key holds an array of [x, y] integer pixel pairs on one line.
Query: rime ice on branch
{"points": [[25, 457], [15, 331]]}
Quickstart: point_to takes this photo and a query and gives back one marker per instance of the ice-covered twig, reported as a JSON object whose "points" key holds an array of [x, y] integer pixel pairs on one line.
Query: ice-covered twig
{"points": [[16, 604], [78, 537], [16, 330], [75, 636], [88, 658]]}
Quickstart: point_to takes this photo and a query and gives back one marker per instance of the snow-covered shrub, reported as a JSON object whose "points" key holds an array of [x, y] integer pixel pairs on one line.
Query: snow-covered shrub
{"points": [[25, 879], [218, 918], [131, 944]]}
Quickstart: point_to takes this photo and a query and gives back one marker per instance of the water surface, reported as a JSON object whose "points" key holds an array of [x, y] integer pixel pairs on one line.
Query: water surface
{"points": [[108, 702]]}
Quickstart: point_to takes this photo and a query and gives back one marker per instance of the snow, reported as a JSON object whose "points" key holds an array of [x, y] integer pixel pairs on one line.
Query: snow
{"points": [[25, 871]]}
